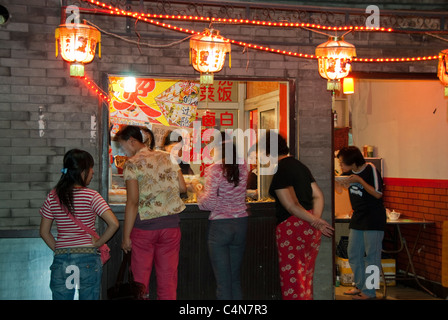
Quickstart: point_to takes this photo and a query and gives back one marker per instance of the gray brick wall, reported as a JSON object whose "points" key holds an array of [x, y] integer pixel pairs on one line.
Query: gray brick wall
{"points": [[34, 85]]}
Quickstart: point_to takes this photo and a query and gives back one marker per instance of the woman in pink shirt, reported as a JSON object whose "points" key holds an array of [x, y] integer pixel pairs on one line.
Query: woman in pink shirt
{"points": [[224, 195]]}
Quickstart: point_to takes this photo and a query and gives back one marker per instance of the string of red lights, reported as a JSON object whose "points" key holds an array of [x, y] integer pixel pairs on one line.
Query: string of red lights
{"points": [[239, 21], [95, 88], [149, 18]]}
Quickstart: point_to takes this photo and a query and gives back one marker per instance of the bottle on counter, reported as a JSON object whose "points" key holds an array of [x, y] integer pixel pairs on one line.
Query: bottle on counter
{"points": [[338, 281], [370, 151]]}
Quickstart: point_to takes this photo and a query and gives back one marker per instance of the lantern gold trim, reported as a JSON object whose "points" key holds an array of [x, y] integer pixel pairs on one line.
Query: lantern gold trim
{"points": [[442, 71]]}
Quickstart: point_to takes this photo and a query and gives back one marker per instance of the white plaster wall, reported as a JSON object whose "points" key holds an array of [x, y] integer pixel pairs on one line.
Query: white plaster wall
{"points": [[407, 123]]}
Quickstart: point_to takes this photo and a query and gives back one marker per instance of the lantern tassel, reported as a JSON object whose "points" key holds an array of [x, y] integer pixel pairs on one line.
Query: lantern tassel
{"points": [[230, 60], [99, 45], [56, 37]]}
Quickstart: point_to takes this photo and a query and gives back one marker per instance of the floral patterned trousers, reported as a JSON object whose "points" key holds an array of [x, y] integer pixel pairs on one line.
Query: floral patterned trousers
{"points": [[298, 245]]}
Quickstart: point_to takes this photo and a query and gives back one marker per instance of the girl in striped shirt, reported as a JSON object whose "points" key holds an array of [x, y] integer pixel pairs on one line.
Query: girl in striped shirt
{"points": [[76, 262]]}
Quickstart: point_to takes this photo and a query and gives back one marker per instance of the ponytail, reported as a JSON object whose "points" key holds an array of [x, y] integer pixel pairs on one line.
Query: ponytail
{"points": [[231, 171], [76, 164]]}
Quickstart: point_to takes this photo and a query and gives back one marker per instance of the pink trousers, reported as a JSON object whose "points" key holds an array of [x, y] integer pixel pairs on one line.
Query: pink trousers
{"points": [[298, 245], [161, 249]]}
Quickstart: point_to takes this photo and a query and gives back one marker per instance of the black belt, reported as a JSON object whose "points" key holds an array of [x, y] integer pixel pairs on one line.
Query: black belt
{"points": [[76, 250]]}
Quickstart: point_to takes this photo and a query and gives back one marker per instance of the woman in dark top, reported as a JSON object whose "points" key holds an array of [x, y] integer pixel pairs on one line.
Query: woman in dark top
{"points": [[170, 140], [299, 207], [368, 222]]}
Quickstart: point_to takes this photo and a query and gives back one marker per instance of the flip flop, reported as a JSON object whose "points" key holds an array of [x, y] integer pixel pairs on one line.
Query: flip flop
{"points": [[362, 296], [352, 292]]}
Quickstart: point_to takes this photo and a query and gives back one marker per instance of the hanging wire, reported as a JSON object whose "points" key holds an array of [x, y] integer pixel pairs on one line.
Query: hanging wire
{"points": [[267, 49], [346, 33], [435, 36], [138, 43], [326, 34], [316, 31]]}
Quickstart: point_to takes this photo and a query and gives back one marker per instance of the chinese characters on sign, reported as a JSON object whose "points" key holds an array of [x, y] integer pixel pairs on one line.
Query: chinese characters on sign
{"points": [[225, 119], [208, 120], [220, 91], [174, 103], [167, 102]]}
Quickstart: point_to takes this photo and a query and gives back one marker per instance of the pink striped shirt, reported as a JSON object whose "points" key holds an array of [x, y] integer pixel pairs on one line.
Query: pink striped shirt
{"points": [[88, 203], [223, 199]]}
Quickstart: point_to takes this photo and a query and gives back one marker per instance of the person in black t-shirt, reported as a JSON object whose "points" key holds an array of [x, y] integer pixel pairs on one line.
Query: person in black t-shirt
{"points": [[368, 222], [299, 206]]}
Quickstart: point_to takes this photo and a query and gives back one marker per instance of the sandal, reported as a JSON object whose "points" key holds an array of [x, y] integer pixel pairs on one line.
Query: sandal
{"points": [[353, 292], [362, 296]]}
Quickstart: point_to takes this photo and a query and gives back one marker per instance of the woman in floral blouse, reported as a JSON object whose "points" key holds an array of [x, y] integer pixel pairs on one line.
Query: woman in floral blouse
{"points": [[151, 225]]}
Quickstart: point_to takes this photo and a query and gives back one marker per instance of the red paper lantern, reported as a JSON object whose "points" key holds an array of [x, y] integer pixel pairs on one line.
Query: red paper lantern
{"points": [[334, 58], [77, 45], [208, 53]]}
